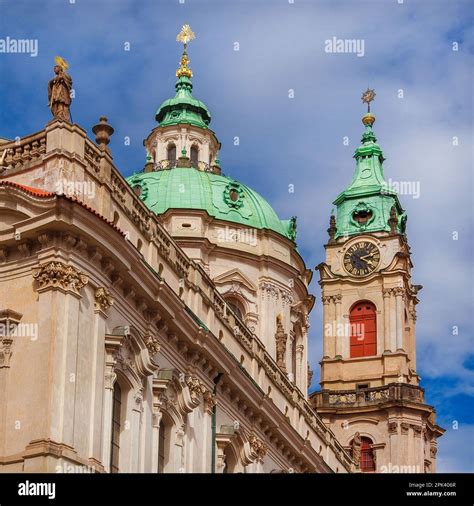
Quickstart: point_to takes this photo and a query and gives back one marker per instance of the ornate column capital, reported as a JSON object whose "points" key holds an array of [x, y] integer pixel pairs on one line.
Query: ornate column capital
{"points": [[57, 275], [103, 300]]}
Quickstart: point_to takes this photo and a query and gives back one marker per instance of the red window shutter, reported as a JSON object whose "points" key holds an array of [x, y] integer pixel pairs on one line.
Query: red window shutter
{"points": [[363, 341]]}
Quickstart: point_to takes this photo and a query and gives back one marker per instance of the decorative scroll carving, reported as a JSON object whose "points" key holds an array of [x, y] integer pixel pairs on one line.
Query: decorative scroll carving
{"points": [[54, 275], [405, 426]]}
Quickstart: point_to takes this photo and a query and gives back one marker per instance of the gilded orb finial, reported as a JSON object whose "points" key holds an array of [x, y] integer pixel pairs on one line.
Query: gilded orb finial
{"points": [[367, 97], [184, 36]]}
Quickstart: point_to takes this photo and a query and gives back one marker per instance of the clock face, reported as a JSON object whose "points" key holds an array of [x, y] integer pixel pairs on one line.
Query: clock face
{"points": [[361, 258]]}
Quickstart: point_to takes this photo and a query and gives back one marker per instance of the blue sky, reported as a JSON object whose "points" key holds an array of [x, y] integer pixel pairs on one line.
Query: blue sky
{"points": [[296, 141]]}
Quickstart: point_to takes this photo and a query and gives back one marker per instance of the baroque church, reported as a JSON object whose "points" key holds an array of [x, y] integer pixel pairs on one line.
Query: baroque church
{"points": [[159, 323]]}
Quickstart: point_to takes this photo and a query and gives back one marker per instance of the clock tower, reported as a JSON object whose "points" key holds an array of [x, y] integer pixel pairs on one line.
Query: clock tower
{"points": [[370, 394]]}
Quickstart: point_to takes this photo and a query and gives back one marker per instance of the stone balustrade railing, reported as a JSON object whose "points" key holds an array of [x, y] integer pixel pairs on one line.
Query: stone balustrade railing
{"points": [[369, 396], [21, 152]]}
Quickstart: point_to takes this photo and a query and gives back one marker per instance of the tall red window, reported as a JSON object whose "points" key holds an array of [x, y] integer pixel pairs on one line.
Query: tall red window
{"points": [[367, 461], [363, 322]]}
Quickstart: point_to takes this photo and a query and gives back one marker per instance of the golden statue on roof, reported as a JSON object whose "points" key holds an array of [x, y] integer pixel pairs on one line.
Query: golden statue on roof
{"points": [[59, 91]]}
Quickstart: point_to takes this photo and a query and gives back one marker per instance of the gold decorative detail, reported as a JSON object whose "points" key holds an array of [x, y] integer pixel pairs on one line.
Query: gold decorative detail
{"points": [[103, 299], [184, 70], [367, 97], [61, 62], [58, 275], [185, 35]]}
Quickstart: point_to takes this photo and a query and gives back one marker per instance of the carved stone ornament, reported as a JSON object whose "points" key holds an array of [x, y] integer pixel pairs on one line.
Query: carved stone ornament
{"points": [[417, 430], [405, 426], [57, 275], [356, 448], [196, 388], [103, 299], [433, 452], [280, 338], [152, 344], [258, 447], [392, 427]]}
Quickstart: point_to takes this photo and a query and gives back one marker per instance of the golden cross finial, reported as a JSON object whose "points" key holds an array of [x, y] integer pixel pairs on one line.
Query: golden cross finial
{"points": [[367, 97], [185, 35]]}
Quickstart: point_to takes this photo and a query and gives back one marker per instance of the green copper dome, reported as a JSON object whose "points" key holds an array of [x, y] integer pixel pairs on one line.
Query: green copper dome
{"points": [[221, 197]]}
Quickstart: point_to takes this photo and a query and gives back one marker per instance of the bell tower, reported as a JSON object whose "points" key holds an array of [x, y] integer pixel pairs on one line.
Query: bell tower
{"points": [[370, 394]]}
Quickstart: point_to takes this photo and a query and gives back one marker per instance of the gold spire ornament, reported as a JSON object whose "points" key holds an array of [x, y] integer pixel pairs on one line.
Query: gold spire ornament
{"points": [[367, 97], [185, 36]]}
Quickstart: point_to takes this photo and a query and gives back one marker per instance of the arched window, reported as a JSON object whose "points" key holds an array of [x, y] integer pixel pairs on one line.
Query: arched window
{"points": [[365, 455], [116, 428], [171, 153], [161, 448], [236, 307], [363, 322], [194, 155], [367, 460]]}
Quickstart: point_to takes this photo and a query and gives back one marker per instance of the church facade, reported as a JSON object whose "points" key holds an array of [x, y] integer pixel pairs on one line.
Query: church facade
{"points": [[159, 323]]}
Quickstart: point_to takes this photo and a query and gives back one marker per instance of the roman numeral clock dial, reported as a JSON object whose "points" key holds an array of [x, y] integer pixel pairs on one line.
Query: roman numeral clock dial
{"points": [[361, 258]]}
